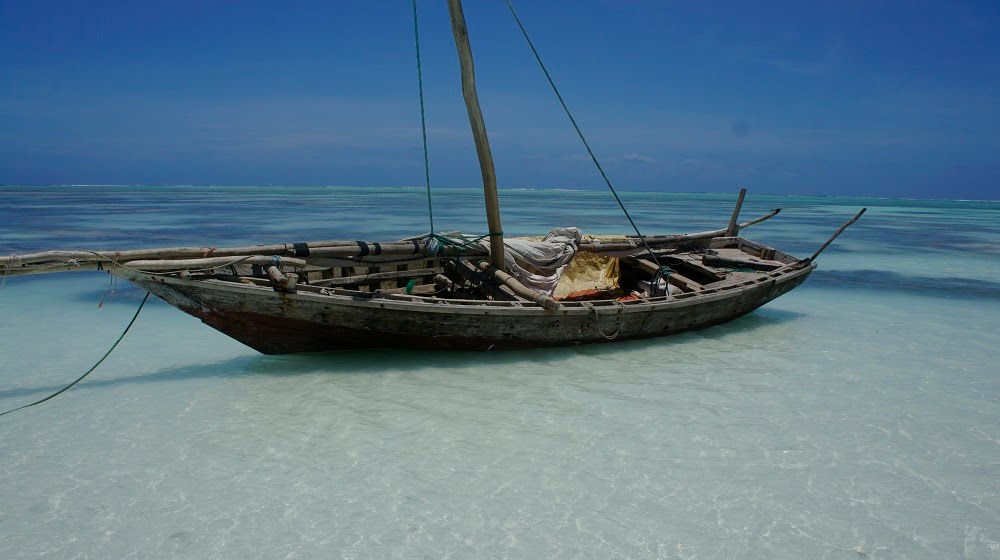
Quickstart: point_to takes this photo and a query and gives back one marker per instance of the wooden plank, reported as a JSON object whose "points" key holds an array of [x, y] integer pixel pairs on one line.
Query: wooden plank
{"points": [[676, 261], [728, 262]]}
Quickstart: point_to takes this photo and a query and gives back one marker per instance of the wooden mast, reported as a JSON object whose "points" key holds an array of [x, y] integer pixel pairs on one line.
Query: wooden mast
{"points": [[478, 132]]}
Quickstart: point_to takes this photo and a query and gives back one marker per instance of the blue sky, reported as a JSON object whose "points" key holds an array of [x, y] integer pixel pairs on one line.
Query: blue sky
{"points": [[860, 98]]}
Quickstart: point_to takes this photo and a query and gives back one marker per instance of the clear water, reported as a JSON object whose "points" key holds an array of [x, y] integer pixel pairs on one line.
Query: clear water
{"points": [[856, 417]]}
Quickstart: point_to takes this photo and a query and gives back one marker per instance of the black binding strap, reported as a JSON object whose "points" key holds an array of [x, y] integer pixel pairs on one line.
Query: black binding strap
{"points": [[364, 248], [416, 247], [301, 249], [378, 249]]}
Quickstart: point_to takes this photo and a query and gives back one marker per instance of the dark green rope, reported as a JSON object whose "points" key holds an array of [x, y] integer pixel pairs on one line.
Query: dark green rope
{"points": [[423, 119], [461, 246], [79, 379], [579, 132]]}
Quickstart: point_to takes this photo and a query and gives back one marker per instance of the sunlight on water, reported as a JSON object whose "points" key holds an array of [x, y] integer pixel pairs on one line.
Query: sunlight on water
{"points": [[857, 417]]}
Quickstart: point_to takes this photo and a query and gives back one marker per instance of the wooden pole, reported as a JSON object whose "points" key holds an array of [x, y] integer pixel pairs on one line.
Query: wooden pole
{"points": [[732, 230], [478, 132], [515, 285], [213, 262], [663, 241], [835, 234], [284, 249]]}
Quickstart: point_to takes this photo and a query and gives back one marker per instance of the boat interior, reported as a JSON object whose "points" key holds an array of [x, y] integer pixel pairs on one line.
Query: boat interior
{"points": [[596, 274]]}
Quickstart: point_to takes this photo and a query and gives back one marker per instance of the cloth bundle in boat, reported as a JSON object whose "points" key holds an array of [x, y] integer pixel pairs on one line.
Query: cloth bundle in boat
{"points": [[540, 264]]}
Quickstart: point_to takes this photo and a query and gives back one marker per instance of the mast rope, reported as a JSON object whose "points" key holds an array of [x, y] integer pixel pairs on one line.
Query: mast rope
{"points": [[423, 118], [436, 242], [583, 139], [89, 371]]}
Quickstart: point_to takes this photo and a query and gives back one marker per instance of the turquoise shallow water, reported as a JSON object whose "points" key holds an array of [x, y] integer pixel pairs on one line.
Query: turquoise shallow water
{"points": [[857, 417]]}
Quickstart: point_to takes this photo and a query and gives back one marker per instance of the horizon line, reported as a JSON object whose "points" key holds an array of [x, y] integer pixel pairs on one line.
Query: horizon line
{"points": [[420, 187]]}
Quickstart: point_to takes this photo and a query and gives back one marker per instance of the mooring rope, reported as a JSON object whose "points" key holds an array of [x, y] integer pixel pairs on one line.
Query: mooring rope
{"points": [[89, 371], [423, 119], [579, 133], [597, 320]]}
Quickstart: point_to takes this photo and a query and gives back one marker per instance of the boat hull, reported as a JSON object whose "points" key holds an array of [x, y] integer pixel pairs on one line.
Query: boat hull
{"points": [[281, 323]]}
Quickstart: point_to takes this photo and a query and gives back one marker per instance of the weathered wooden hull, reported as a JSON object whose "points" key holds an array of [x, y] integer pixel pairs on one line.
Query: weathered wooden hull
{"points": [[280, 323]]}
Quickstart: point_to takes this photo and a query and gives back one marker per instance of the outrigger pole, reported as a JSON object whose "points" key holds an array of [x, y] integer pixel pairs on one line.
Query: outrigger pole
{"points": [[835, 234], [478, 132]]}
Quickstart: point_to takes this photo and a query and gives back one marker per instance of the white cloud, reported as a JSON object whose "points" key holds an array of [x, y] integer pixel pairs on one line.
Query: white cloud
{"points": [[637, 158]]}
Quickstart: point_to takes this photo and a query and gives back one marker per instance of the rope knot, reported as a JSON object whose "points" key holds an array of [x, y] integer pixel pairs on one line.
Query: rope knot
{"points": [[433, 246]]}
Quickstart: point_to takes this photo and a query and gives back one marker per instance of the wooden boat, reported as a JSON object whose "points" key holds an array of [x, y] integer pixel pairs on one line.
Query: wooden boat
{"points": [[442, 292], [354, 294]]}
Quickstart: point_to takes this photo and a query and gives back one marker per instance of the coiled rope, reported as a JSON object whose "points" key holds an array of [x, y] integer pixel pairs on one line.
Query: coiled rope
{"points": [[89, 371]]}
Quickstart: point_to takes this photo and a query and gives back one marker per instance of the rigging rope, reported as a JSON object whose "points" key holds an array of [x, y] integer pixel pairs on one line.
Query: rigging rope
{"points": [[580, 134], [79, 379], [423, 119]]}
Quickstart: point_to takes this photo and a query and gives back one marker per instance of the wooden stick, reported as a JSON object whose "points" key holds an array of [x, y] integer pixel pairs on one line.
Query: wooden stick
{"points": [[472, 274], [461, 34], [546, 301], [48, 269], [214, 262], [377, 249], [663, 241], [835, 234], [732, 229], [284, 249]]}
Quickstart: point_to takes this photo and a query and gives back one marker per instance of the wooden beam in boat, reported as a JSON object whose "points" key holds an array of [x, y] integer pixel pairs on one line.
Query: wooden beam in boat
{"points": [[732, 229], [728, 262], [461, 33], [515, 285], [375, 277], [693, 265], [280, 281], [284, 249], [675, 278], [214, 262], [661, 241], [476, 277], [443, 283], [421, 290], [48, 268]]}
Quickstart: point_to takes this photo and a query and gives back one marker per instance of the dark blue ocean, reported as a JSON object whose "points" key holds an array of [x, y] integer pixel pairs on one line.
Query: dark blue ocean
{"points": [[856, 417]]}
